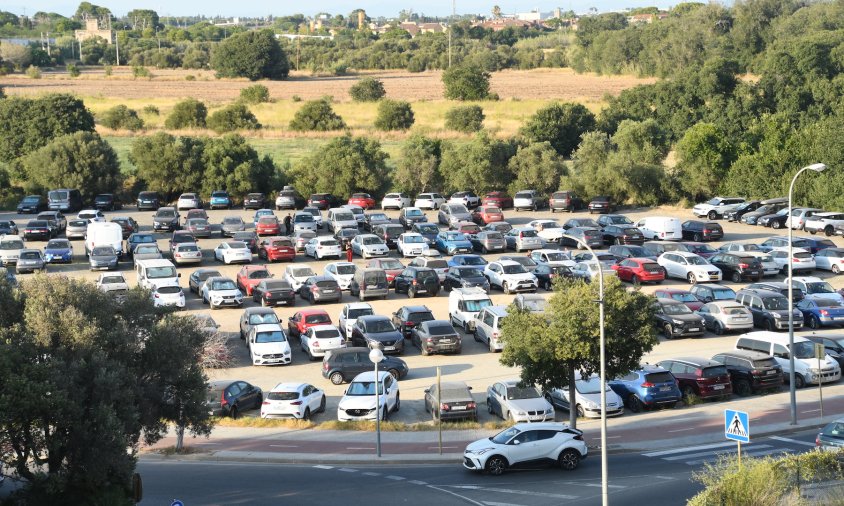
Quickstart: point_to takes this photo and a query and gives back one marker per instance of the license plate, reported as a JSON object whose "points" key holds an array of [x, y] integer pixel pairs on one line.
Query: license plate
{"points": [[457, 408], [717, 387], [771, 372], [694, 329], [329, 291], [445, 341], [273, 360], [389, 348], [664, 389]]}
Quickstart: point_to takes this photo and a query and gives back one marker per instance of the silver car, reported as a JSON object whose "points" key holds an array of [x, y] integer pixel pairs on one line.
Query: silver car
{"points": [[451, 214], [31, 260], [518, 403], [11, 247], [189, 201], [488, 240], [725, 315], [523, 238], [232, 224]]}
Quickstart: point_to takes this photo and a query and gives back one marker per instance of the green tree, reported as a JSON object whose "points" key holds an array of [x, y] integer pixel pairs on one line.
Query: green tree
{"points": [[90, 10], [316, 116], [394, 115], [233, 164], [561, 124], [553, 347], [367, 89], [233, 117], [537, 166], [343, 166], [189, 113], [641, 141], [588, 27], [167, 164], [26, 124], [255, 54], [121, 117], [466, 82], [480, 165], [465, 118], [418, 168], [82, 160], [255, 94], [704, 156], [141, 19]]}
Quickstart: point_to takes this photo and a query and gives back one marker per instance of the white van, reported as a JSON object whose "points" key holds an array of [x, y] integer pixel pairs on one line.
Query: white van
{"points": [[339, 217], [661, 228], [155, 273], [104, 234], [807, 368], [464, 304]]}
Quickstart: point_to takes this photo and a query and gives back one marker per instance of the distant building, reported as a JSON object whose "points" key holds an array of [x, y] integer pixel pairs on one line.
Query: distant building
{"points": [[502, 23], [93, 30]]}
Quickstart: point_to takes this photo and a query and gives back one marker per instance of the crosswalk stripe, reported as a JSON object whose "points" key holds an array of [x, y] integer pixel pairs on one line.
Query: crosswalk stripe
{"points": [[687, 449], [747, 454], [703, 454], [792, 441]]}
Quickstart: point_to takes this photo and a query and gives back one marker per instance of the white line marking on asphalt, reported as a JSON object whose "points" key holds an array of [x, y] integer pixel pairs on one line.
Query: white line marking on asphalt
{"points": [[812, 410], [476, 503], [358, 448], [493, 503], [396, 478], [206, 443], [659, 476], [417, 482], [284, 446], [793, 441], [347, 470], [512, 491], [715, 453], [372, 474], [687, 449], [747, 454], [683, 430], [444, 447], [320, 466]]}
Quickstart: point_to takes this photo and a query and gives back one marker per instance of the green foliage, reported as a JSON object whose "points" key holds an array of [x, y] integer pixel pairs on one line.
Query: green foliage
{"points": [[418, 168], [121, 117], [466, 82], [588, 27], [316, 116], [20, 57], [151, 109], [167, 164], [367, 89], [561, 124], [233, 117], [255, 54], [255, 94], [231, 163], [108, 70], [342, 166], [704, 156], [33, 72], [141, 71], [537, 166], [480, 165], [465, 118], [73, 70], [394, 115], [189, 113]]}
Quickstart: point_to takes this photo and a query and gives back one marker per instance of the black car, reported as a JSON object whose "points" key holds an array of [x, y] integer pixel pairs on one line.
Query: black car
{"points": [[630, 251], [752, 217], [833, 343], [32, 204], [128, 224], [436, 336], [621, 234], [738, 268], [230, 398], [375, 330], [408, 217], [776, 220], [273, 292], [427, 230], [546, 274], [770, 309], [344, 236], [699, 231], [451, 400], [742, 209], [249, 237], [138, 238], [372, 220], [343, 364], [778, 286], [8, 227], [198, 277], [751, 371], [675, 319], [323, 201], [106, 202], [148, 201], [166, 219], [389, 233], [408, 317], [37, 229], [465, 276], [416, 281], [255, 201], [600, 205]]}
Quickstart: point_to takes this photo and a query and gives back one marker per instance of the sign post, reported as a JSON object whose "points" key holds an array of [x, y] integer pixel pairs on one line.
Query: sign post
{"points": [[820, 353], [737, 428]]}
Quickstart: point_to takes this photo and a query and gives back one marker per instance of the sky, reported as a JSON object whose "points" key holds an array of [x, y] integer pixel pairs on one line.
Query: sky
{"points": [[374, 8]]}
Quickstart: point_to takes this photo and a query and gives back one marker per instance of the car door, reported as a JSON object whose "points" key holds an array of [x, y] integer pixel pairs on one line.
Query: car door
{"points": [[523, 450], [496, 399], [391, 390], [248, 397], [244, 324]]}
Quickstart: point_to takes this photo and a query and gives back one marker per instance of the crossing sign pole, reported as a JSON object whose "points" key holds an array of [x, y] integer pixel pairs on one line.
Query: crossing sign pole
{"points": [[737, 428], [820, 353]]}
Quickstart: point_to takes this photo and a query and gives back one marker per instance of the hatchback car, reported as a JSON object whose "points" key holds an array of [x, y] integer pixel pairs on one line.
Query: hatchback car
{"points": [[416, 281], [343, 364], [103, 257], [230, 398], [516, 402], [395, 201], [168, 296], [487, 241], [58, 251], [255, 201], [322, 201], [723, 316], [709, 292], [189, 201], [465, 276], [587, 392], [485, 215], [639, 270], [700, 377], [230, 252], [166, 218], [293, 400], [675, 319], [648, 387], [738, 267], [565, 201], [187, 253], [450, 400], [436, 336], [31, 260], [699, 231], [431, 201], [522, 239], [320, 289], [751, 371], [288, 199]]}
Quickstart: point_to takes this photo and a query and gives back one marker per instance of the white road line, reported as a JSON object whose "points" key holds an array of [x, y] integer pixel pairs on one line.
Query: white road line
{"points": [[372, 474], [394, 478], [493, 503], [687, 449], [444, 447], [417, 482], [323, 467], [359, 448], [284, 446], [744, 454], [683, 430], [347, 470], [793, 441], [455, 494], [206, 443], [715, 453], [512, 491], [812, 410]]}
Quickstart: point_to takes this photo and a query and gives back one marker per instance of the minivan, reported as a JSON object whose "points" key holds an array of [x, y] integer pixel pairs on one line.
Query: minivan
{"points": [[68, 200], [565, 201], [340, 217], [806, 365], [154, 273], [661, 228], [369, 282], [770, 309], [487, 327], [104, 234]]}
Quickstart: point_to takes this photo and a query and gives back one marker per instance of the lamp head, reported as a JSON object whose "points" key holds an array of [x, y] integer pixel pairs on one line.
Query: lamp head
{"points": [[817, 167], [376, 355]]}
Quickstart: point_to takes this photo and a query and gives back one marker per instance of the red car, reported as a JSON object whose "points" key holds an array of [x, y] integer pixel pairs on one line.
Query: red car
{"points": [[363, 200], [300, 322], [268, 225], [390, 265], [498, 199], [251, 275], [467, 228], [485, 215], [273, 249], [639, 270], [684, 296]]}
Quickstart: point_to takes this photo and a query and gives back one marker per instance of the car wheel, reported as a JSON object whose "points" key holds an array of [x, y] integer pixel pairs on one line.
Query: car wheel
{"points": [[776, 225], [814, 322], [580, 412], [384, 414], [453, 321], [322, 405], [688, 394], [496, 466], [799, 382], [233, 413], [398, 403], [835, 269], [829, 231], [742, 388], [712, 215], [489, 407], [336, 378], [667, 331], [569, 459], [510, 418], [394, 373], [719, 328], [618, 241], [506, 287], [697, 238], [768, 325], [475, 335], [548, 286], [411, 293], [635, 280], [307, 414], [635, 404], [491, 347], [692, 279], [736, 277]]}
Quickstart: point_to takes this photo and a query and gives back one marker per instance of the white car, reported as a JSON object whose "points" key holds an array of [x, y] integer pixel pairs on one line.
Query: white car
{"points": [[518, 403], [220, 291], [815, 288], [168, 296], [91, 216], [187, 253], [588, 270], [801, 261], [230, 252], [268, 345], [113, 283], [293, 400], [467, 198], [341, 272], [799, 216], [689, 266], [830, 259], [395, 201], [552, 257], [411, 244], [823, 222], [321, 247], [316, 213], [358, 403], [510, 276], [429, 201], [717, 207], [549, 230], [358, 211], [188, 201], [10, 249], [738, 246], [350, 314], [587, 395], [319, 339], [525, 445], [304, 221], [369, 245], [296, 275], [769, 266]]}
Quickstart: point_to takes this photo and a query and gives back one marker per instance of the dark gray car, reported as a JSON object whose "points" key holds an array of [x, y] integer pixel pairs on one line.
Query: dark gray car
{"points": [[436, 336], [232, 224], [451, 400], [31, 260], [372, 330], [103, 257], [488, 240], [320, 289]]}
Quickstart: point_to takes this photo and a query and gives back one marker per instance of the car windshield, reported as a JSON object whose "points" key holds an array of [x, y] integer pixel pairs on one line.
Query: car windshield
{"points": [[327, 334], [835, 429], [258, 319], [535, 304], [429, 228], [30, 255], [302, 272], [476, 305], [714, 201], [112, 279], [142, 239], [31, 200], [684, 297], [223, 284], [103, 251], [268, 220], [804, 349], [317, 318], [775, 303], [169, 289], [819, 287], [589, 386], [494, 235], [364, 388], [391, 264], [441, 330], [383, 217], [58, 244], [505, 435], [282, 396], [413, 239], [473, 260], [372, 240], [355, 313], [232, 221], [166, 213], [528, 233], [696, 260], [346, 269], [344, 217], [513, 269], [723, 294], [276, 285], [275, 336], [676, 309], [515, 393], [377, 326], [619, 220], [470, 272], [303, 218], [144, 249]]}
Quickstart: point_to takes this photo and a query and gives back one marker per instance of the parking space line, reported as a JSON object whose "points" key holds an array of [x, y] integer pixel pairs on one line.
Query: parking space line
{"points": [[417, 482], [513, 491], [320, 466], [716, 453], [368, 473]]}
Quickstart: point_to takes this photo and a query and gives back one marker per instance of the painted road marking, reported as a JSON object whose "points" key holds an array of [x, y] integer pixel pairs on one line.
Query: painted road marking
{"points": [[688, 449], [471, 501], [359, 448], [417, 482], [444, 447], [396, 478], [703, 454], [793, 441], [683, 430], [512, 491], [372, 474], [284, 446], [493, 503], [347, 470], [323, 467], [748, 454]]}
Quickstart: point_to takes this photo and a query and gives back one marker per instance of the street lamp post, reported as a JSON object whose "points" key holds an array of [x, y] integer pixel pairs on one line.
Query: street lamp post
{"points": [[817, 167], [602, 338], [376, 355]]}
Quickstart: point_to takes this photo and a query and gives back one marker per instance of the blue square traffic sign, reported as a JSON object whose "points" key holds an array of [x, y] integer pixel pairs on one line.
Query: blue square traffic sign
{"points": [[736, 425]]}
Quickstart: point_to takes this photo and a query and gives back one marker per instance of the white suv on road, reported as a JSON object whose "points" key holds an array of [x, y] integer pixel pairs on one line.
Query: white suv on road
{"points": [[358, 403], [717, 207]]}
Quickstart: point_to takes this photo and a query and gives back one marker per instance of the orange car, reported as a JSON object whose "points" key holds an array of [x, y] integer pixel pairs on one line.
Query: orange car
{"points": [[250, 275], [363, 200], [485, 215]]}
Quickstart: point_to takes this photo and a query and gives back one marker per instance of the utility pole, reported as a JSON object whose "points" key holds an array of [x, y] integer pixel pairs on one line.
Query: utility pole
{"points": [[450, 27], [117, 48]]}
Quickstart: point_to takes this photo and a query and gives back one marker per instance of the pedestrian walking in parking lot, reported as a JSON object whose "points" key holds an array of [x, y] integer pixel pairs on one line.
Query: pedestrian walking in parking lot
{"points": [[349, 253], [288, 221]]}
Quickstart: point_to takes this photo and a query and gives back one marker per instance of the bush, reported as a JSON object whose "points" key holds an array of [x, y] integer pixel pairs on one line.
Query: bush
{"points": [[465, 118], [394, 115], [255, 94], [466, 82], [561, 124], [151, 109], [121, 117], [190, 77], [296, 98], [141, 71], [108, 70], [367, 89], [73, 70], [231, 118], [33, 72], [317, 116], [189, 113], [254, 54]]}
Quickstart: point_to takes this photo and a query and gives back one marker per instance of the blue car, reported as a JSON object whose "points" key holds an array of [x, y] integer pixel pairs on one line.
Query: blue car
{"points": [[428, 230], [474, 260], [451, 243], [649, 387], [819, 313], [220, 200], [58, 251]]}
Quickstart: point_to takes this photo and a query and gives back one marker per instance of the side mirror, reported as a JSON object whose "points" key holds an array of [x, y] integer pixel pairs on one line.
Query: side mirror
{"points": [[427, 390], [516, 442], [470, 388]]}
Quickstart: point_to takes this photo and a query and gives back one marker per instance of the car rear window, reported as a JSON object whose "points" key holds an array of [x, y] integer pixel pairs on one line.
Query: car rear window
{"points": [[420, 317], [318, 318], [427, 275], [652, 267], [441, 330], [714, 372], [802, 254], [282, 396], [326, 334], [494, 235], [765, 363], [327, 284], [437, 264], [659, 377], [524, 195], [169, 289]]}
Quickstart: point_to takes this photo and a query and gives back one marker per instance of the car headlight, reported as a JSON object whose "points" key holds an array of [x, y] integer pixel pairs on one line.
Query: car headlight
{"points": [[549, 411], [777, 316], [677, 322], [521, 413]]}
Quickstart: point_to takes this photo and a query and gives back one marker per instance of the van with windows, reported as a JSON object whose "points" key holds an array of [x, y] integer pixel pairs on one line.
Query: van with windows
{"points": [[341, 217], [487, 327], [808, 369], [464, 304], [769, 308], [369, 282], [101, 233], [661, 228], [155, 273], [64, 199]]}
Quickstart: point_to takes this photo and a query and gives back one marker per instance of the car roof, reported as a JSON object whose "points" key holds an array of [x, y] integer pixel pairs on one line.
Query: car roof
{"points": [[807, 279], [323, 327], [699, 361], [415, 309], [359, 305], [266, 327], [666, 301], [753, 355], [500, 311], [221, 384], [436, 322], [772, 337], [311, 311], [760, 292], [370, 375], [671, 290], [288, 387], [258, 310]]}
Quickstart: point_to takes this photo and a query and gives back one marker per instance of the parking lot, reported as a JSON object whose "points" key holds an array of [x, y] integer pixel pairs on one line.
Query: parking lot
{"points": [[475, 365]]}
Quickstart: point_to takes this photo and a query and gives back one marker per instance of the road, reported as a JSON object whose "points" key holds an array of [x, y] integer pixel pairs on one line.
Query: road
{"points": [[635, 478]]}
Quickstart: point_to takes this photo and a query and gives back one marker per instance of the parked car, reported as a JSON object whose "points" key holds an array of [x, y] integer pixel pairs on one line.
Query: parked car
{"points": [[364, 200], [465, 276], [255, 201], [408, 317], [31, 260], [831, 437], [113, 284], [349, 315], [302, 320], [752, 217], [411, 244], [451, 214], [250, 275], [770, 309], [510, 277], [127, 223], [268, 225], [799, 215], [430, 201], [37, 230], [528, 199], [253, 316], [341, 365], [744, 208], [341, 272], [620, 234], [774, 220], [630, 251], [58, 251], [220, 291], [288, 199], [708, 292], [832, 343], [360, 401], [320, 289], [230, 398], [521, 239], [689, 266], [369, 282], [649, 387], [318, 340], [717, 207], [780, 287], [322, 247], [675, 319], [816, 288], [232, 251], [600, 204], [273, 292], [377, 331], [639, 270], [487, 241], [565, 201], [186, 253], [76, 229], [498, 199], [587, 392], [188, 201], [103, 257], [452, 242], [547, 444], [273, 249], [369, 245], [166, 218], [684, 296], [395, 201], [450, 400], [436, 336], [390, 266], [700, 377], [613, 219], [293, 400], [702, 231], [168, 296], [801, 260], [577, 237], [738, 267], [547, 273], [198, 277], [407, 217], [723, 315], [107, 202], [830, 259], [515, 402], [417, 281], [32, 204], [485, 215], [818, 313]]}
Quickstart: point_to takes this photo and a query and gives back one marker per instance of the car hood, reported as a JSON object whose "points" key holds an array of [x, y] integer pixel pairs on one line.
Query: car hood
{"points": [[688, 318], [526, 276], [271, 348], [111, 287], [57, 251], [479, 280], [360, 402], [535, 404], [223, 293], [393, 335], [595, 398], [374, 247], [830, 296], [459, 243], [102, 258]]}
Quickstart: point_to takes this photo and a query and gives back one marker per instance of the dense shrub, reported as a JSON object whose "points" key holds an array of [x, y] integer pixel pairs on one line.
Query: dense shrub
{"points": [[560, 124], [73, 70], [465, 118], [466, 82], [316, 116], [151, 109], [33, 72], [141, 71], [189, 113], [121, 117], [367, 89], [254, 54], [231, 118], [394, 115], [255, 94]]}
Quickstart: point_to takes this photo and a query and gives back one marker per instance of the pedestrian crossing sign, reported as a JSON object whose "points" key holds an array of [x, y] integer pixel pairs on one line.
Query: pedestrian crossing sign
{"points": [[736, 425]]}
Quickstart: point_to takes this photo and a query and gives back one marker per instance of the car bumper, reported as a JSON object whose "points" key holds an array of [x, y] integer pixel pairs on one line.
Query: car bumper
{"points": [[828, 376], [596, 412], [442, 348], [782, 324], [165, 226], [277, 359], [43, 236], [281, 413], [103, 265], [524, 287], [58, 259], [344, 416], [227, 302], [546, 417]]}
